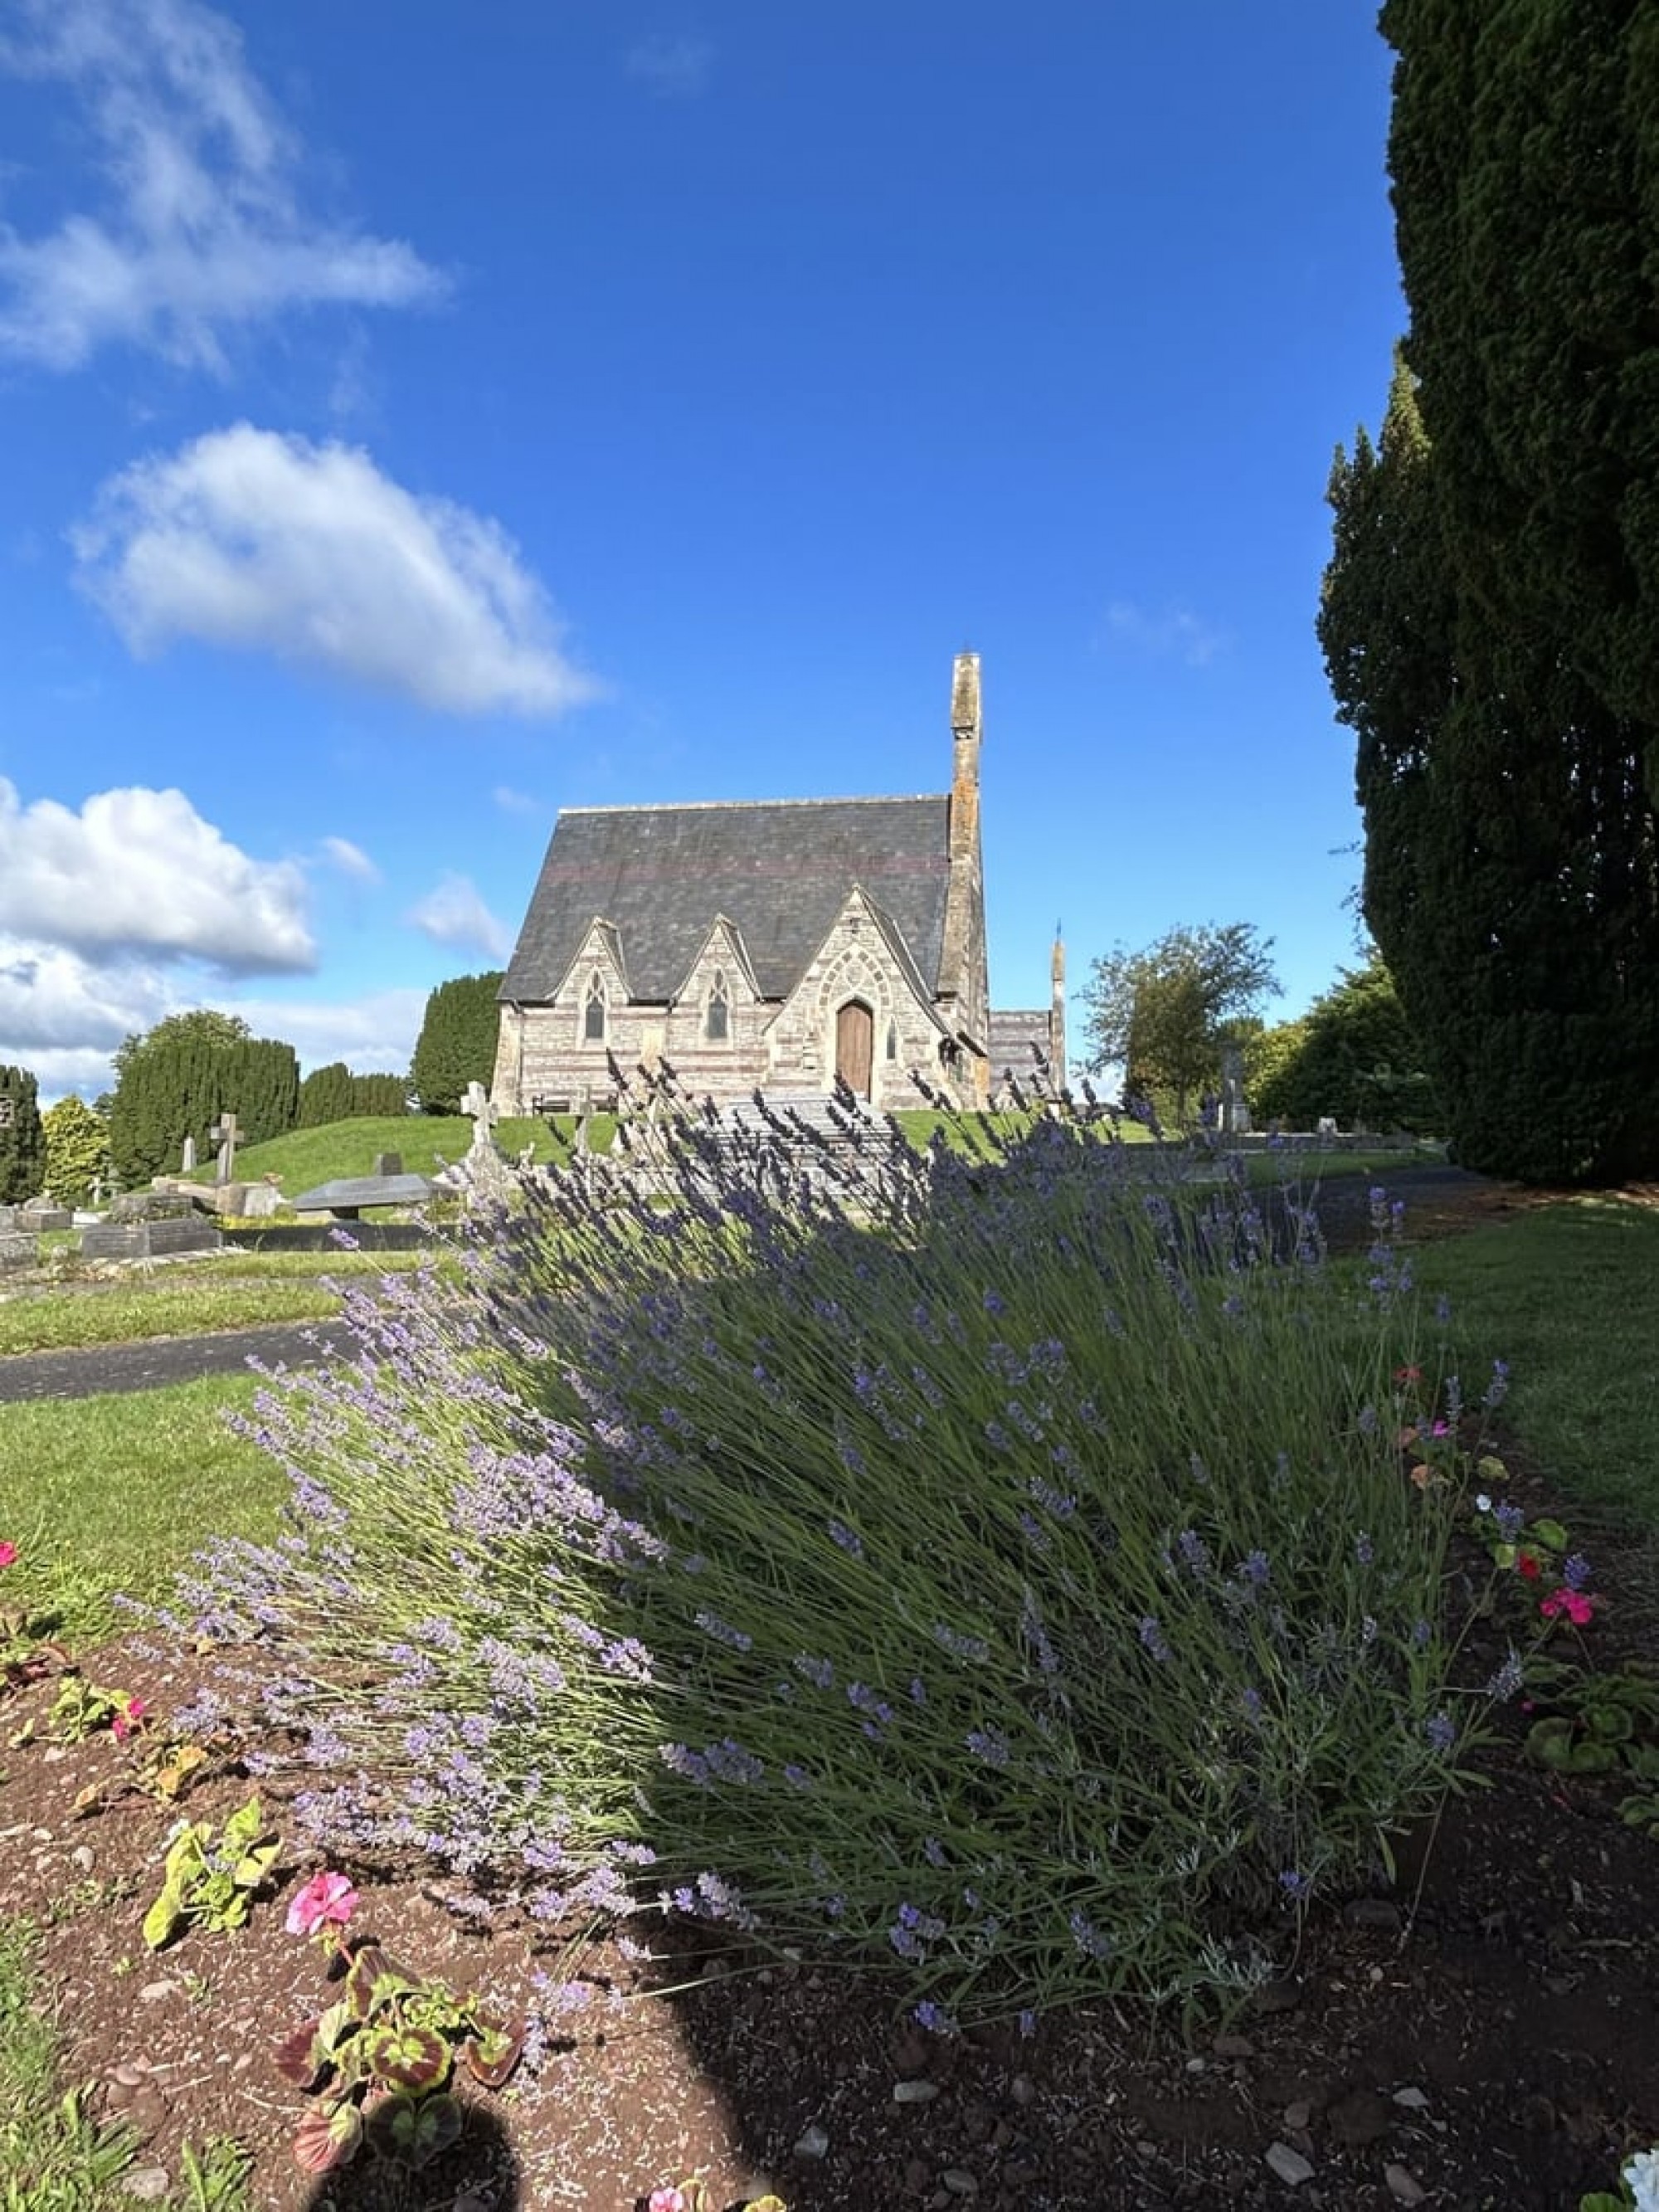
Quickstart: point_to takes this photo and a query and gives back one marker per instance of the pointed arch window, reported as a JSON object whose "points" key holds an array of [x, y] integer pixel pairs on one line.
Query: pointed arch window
{"points": [[717, 1015], [594, 1009]]}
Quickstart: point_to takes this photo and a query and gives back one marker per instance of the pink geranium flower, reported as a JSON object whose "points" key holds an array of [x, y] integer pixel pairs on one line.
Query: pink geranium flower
{"points": [[1579, 1609], [8, 1555], [327, 1901]]}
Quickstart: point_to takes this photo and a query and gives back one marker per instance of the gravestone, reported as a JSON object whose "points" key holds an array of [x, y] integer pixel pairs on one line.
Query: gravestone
{"points": [[388, 1164], [484, 1116], [224, 1133], [187, 1157], [39, 1213], [346, 1197], [16, 1251], [149, 1240], [1235, 1113]]}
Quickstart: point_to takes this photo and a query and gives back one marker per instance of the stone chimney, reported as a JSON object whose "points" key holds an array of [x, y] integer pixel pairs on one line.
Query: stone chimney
{"points": [[965, 768], [964, 988]]}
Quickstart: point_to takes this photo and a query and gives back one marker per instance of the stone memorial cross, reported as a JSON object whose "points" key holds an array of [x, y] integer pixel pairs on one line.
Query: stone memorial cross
{"points": [[482, 1113], [224, 1133]]}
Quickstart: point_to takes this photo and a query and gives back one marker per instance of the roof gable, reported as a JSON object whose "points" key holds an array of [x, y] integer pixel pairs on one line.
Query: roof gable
{"points": [[780, 870]]}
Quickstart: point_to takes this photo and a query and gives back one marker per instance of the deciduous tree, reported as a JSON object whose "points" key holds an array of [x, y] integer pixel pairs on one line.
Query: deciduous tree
{"points": [[1164, 1014]]}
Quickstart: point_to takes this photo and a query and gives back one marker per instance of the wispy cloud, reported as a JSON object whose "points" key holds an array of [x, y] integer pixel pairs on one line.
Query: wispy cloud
{"points": [[139, 872], [455, 914], [351, 859], [672, 66], [200, 226], [262, 542], [1175, 630], [514, 802]]}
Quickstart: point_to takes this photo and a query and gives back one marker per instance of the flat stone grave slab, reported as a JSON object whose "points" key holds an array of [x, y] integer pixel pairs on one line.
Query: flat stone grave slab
{"points": [[149, 1240], [348, 1195], [16, 1251]]}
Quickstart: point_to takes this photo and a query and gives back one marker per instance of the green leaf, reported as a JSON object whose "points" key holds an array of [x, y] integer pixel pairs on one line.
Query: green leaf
{"points": [[414, 2131], [244, 1824], [409, 2057], [253, 1866], [163, 1918], [1549, 1533]]}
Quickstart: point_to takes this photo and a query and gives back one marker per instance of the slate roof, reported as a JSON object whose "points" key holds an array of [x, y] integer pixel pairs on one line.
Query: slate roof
{"points": [[780, 870]]}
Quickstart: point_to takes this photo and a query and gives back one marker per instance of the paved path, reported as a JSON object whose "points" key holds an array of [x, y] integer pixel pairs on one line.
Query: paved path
{"points": [[156, 1362]]}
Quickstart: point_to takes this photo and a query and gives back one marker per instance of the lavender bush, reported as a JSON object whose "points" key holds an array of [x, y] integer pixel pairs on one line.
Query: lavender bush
{"points": [[1009, 1579]]}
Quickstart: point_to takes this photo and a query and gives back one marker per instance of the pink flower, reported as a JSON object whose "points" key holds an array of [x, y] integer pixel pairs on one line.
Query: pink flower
{"points": [[127, 1718], [1579, 1609], [666, 2200], [327, 1899], [8, 1555]]}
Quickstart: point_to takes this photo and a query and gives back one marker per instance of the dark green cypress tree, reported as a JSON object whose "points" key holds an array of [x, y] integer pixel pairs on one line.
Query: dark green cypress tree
{"points": [[326, 1096], [457, 1044], [377, 1097], [22, 1141], [1481, 600]]}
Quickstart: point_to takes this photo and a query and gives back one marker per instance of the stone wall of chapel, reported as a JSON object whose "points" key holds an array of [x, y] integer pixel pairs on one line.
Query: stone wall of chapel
{"points": [[854, 963]]}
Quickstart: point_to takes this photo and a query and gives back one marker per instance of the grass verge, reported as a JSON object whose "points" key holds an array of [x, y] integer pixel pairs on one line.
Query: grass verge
{"points": [[191, 1298], [53, 2157], [114, 1493], [1569, 1296]]}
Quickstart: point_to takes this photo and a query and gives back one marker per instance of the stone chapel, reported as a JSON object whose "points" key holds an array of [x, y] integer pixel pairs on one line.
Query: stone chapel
{"points": [[771, 945]]}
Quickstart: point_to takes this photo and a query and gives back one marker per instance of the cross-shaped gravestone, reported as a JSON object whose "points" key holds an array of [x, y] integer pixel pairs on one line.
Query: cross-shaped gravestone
{"points": [[224, 1133], [482, 1113]]}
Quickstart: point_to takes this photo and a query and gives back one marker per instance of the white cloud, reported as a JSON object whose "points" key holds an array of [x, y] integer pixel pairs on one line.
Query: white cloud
{"points": [[249, 539], [374, 1034], [674, 67], [1175, 629], [351, 859], [139, 872], [204, 230], [455, 914], [514, 802]]}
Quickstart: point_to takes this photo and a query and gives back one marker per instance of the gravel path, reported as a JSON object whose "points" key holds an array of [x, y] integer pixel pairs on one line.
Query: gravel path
{"points": [[1344, 1214]]}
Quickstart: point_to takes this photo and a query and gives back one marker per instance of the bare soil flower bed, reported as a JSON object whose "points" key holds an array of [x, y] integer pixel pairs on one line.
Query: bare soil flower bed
{"points": [[1487, 2035]]}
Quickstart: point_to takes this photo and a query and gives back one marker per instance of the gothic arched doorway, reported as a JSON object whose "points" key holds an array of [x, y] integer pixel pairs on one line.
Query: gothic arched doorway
{"points": [[855, 1045]]}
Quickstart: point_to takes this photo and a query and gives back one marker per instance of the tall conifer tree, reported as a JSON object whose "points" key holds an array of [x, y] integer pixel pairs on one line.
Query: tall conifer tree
{"points": [[1491, 615]]}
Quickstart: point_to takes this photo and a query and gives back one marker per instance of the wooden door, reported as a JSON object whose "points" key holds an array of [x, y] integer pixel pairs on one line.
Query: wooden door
{"points": [[855, 1045]]}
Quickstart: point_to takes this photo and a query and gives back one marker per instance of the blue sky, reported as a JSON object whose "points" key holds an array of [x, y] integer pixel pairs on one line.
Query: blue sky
{"points": [[419, 418]]}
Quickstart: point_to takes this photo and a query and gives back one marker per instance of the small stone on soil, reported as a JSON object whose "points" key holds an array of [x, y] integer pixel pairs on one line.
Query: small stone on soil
{"points": [[1413, 2099], [1289, 2165], [959, 2181], [148, 2184], [1404, 2186], [914, 2093], [814, 2142]]}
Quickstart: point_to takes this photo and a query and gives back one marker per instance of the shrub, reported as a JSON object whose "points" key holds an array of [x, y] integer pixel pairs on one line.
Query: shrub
{"points": [[77, 1150], [1012, 1584], [22, 1145]]}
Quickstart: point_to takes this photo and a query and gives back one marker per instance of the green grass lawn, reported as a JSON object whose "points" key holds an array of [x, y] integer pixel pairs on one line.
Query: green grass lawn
{"points": [[306, 1157], [189, 1297], [1569, 1296], [114, 1493]]}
